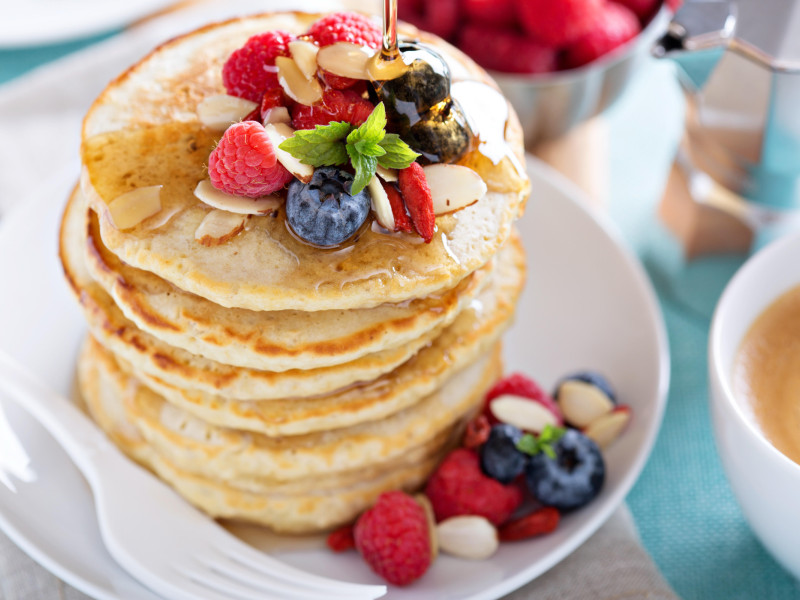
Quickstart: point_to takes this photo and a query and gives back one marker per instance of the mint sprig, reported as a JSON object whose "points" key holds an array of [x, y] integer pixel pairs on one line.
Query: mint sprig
{"points": [[532, 444], [365, 147]]}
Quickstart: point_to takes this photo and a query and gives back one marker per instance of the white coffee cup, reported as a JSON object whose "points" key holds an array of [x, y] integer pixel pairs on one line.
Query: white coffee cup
{"points": [[765, 482]]}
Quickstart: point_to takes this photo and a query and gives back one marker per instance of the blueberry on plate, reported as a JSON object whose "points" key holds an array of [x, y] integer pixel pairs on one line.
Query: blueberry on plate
{"points": [[572, 478], [500, 458], [322, 211]]}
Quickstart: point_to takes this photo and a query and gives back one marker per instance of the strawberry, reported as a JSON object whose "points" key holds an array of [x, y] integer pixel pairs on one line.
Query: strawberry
{"points": [[558, 23], [336, 105], [401, 220], [342, 539], [394, 538], [506, 50], [459, 487], [542, 521], [615, 26], [418, 200]]}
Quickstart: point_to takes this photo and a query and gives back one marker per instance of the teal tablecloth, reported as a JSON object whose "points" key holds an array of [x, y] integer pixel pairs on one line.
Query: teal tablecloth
{"points": [[685, 511]]}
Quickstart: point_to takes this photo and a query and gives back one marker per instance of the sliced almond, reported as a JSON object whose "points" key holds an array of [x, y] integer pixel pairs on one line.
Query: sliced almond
{"points": [[241, 205], [305, 55], [346, 60], [294, 82], [582, 403], [453, 187], [388, 175], [607, 428], [277, 133], [218, 112], [279, 114], [468, 537], [430, 517], [131, 208], [524, 413], [380, 204], [219, 226]]}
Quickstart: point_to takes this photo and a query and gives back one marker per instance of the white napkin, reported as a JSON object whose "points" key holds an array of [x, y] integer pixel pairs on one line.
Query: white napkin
{"points": [[40, 120]]}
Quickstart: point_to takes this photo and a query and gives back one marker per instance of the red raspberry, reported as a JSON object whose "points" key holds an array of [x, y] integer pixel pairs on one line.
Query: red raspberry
{"points": [[401, 220], [440, 17], [673, 5], [418, 199], [247, 73], [244, 162], [558, 23], [615, 26], [643, 9], [341, 539], [336, 105], [477, 432], [506, 50], [498, 13], [459, 487], [345, 27], [394, 539], [518, 384], [542, 521]]}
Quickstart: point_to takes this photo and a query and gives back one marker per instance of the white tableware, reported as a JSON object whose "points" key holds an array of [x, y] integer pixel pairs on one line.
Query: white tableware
{"points": [[765, 482], [587, 304]]}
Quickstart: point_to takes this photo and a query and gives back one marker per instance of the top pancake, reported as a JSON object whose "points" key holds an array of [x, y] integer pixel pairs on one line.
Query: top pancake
{"points": [[143, 130]]}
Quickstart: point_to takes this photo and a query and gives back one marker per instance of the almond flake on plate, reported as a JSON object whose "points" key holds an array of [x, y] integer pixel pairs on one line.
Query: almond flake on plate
{"points": [[241, 205], [219, 226], [346, 60], [305, 56], [453, 187], [277, 133], [131, 208], [380, 204], [294, 82], [222, 110]]}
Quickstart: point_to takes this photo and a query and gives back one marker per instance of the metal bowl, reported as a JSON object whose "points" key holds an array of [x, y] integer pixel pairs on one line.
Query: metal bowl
{"points": [[551, 104]]}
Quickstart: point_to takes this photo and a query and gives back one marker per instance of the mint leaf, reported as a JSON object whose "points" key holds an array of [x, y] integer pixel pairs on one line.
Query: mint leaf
{"points": [[528, 444], [369, 148], [364, 166], [398, 154], [531, 444], [321, 146], [373, 129]]}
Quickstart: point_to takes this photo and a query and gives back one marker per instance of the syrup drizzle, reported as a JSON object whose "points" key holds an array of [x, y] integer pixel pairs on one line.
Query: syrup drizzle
{"points": [[388, 63]]}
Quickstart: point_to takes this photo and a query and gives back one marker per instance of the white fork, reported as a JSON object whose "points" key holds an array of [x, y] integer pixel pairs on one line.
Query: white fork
{"points": [[151, 532]]}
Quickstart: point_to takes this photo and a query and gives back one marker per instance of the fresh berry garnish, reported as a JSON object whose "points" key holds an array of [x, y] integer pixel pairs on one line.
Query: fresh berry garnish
{"points": [[584, 397], [322, 211], [440, 17], [614, 26], [520, 386], [540, 522], [393, 538], [250, 70], [643, 9], [244, 162], [559, 23], [273, 98], [459, 487], [495, 13], [570, 478], [506, 50], [350, 27], [418, 200], [336, 105], [342, 539], [477, 432], [402, 222], [500, 458]]}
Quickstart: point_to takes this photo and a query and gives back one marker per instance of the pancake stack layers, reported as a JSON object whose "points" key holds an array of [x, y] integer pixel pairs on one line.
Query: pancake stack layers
{"points": [[265, 379]]}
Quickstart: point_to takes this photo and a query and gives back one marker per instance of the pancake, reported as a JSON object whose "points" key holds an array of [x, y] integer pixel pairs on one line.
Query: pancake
{"points": [[143, 130], [205, 465], [277, 340]]}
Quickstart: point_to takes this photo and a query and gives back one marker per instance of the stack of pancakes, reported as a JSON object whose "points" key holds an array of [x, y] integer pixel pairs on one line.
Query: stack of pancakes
{"points": [[265, 379]]}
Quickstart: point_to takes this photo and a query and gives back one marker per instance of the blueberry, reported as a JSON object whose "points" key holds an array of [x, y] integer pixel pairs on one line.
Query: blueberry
{"points": [[571, 479], [322, 212], [442, 136], [425, 84], [500, 458], [592, 378]]}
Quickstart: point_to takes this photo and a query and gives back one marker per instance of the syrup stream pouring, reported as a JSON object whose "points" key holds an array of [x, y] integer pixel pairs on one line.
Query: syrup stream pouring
{"points": [[155, 535]]}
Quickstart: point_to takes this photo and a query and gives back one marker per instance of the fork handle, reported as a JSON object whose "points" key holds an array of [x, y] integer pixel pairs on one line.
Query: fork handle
{"points": [[71, 428]]}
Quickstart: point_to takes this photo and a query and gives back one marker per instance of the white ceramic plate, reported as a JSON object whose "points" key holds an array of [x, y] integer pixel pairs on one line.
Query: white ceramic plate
{"points": [[36, 22], [587, 304]]}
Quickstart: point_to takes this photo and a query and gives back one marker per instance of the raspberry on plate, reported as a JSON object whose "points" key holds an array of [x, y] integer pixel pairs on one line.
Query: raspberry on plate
{"points": [[336, 105], [558, 23], [248, 72], [643, 9], [351, 27], [244, 162], [394, 539], [506, 50], [459, 487], [498, 13], [440, 17], [615, 26]]}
